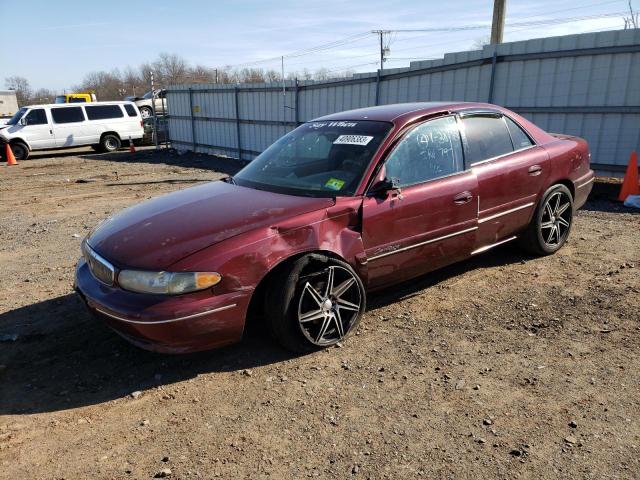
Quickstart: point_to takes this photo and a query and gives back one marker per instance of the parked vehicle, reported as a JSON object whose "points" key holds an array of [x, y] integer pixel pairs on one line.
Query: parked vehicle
{"points": [[146, 102], [103, 125], [8, 103], [76, 98], [343, 205]]}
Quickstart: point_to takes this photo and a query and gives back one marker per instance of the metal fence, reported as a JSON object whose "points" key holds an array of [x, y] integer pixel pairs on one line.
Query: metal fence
{"points": [[586, 85]]}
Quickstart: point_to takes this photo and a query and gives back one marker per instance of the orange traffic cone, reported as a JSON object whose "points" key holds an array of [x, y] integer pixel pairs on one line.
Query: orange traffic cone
{"points": [[11, 160], [630, 183], [132, 148]]}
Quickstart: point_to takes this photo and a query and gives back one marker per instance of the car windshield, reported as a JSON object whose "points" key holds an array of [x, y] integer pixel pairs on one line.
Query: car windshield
{"points": [[16, 118], [147, 95], [317, 159]]}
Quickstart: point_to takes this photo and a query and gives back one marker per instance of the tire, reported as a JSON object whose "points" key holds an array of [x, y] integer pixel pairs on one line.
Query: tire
{"points": [[146, 112], [300, 314], [551, 223], [20, 150], [110, 143]]}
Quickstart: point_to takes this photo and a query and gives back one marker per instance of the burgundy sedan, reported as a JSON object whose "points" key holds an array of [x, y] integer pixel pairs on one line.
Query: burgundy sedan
{"points": [[341, 206]]}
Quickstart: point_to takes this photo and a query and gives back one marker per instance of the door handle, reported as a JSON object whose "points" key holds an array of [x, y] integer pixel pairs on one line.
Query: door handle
{"points": [[462, 198], [535, 170]]}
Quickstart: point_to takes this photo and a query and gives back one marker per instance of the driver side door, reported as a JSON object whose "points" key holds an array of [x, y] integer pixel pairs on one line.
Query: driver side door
{"points": [[431, 220]]}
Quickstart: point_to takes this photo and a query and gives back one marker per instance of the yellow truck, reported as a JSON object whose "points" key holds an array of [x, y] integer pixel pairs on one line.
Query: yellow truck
{"points": [[84, 97]]}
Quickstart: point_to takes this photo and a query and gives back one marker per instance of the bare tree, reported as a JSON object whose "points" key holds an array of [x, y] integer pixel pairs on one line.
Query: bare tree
{"points": [[170, 69], [480, 42], [22, 88]]}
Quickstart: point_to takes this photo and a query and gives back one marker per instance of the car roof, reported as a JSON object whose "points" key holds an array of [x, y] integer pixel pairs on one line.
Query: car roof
{"points": [[399, 112], [78, 104]]}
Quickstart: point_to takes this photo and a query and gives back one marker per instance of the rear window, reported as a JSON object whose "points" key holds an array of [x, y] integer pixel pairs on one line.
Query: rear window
{"points": [[77, 100], [487, 137], [67, 115], [101, 112], [131, 110]]}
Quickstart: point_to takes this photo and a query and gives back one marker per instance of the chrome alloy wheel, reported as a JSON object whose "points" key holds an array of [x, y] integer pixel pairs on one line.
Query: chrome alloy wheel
{"points": [[329, 305], [556, 219]]}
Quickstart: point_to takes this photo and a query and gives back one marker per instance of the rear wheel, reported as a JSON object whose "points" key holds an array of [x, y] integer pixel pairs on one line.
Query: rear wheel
{"points": [[20, 150], [315, 303], [551, 223], [109, 143]]}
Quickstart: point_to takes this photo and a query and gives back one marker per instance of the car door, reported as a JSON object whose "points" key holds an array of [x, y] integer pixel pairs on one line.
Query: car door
{"points": [[431, 220], [67, 126], [511, 172], [38, 132]]}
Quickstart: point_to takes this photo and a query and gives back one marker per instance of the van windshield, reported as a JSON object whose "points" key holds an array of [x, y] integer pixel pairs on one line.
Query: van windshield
{"points": [[16, 118]]}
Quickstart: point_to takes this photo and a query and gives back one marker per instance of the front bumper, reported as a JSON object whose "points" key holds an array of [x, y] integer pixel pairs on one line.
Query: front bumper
{"points": [[162, 323]]}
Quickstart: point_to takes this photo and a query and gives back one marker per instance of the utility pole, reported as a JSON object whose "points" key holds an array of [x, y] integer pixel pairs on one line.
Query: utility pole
{"points": [[497, 27], [383, 51]]}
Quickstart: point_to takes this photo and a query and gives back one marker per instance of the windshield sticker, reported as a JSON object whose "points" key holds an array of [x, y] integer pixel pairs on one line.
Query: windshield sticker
{"points": [[334, 184], [333, 124], [352, 140]]}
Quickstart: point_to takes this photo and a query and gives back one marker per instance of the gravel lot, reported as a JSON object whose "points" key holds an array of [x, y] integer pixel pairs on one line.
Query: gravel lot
{"points": [[504, 366]]}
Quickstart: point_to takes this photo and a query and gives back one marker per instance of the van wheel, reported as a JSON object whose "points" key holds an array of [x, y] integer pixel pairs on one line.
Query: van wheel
{"points": [[146, 112], [315, 303], [109, 143], [551, 223], [20, 150]]}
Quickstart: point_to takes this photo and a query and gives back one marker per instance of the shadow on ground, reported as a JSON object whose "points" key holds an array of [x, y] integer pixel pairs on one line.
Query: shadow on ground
{"points": [[63, 358]]}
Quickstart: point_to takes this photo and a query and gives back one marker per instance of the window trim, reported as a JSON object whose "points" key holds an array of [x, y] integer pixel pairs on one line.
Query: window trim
{"points": [[401, 137]]}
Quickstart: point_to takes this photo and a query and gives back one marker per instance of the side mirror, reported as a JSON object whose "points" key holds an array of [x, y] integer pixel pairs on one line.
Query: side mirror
{"points": [[23, 121], [385, 187]]}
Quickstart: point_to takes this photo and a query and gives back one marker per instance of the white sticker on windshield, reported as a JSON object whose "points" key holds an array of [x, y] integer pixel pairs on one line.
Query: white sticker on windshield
{"points": [[352, 140]]}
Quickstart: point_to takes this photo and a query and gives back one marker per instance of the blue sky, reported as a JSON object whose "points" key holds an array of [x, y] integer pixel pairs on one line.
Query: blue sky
{"points": [[55, 43]]}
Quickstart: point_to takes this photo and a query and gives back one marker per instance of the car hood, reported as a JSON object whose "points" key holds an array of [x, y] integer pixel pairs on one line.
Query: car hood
{"points": [[157, 233]]}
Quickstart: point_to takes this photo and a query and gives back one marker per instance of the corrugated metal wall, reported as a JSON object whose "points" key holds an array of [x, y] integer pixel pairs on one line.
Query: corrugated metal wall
{"points": [[586, 85]]}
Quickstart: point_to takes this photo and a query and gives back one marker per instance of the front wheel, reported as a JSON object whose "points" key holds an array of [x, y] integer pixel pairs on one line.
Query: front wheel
{"points": [[146, 112], [551, 223], [20, 150], [315, 303]]}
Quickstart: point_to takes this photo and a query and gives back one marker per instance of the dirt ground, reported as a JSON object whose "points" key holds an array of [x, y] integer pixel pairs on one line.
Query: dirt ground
{"points": [[504, 366]]}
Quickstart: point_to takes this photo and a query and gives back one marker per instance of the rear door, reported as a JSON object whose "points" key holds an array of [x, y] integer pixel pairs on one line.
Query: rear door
{"points": [[432, 221], [38, 132], [105, 118], [511, 172]]}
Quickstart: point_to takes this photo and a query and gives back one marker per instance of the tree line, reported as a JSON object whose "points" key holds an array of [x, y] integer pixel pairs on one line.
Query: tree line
{"points": [[168, 69]]}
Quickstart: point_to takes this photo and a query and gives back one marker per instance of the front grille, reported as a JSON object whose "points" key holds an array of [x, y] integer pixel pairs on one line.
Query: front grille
{"points": [[99, 267]]}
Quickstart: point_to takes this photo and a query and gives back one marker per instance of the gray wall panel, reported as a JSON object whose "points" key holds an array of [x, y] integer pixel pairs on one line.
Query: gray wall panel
{"points": [[608, 81]]}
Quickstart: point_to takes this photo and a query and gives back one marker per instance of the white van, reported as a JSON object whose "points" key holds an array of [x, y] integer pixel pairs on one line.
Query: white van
{"points": [[103, 125]]}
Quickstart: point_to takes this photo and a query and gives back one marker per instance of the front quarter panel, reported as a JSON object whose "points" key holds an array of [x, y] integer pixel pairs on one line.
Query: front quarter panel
{"points": [[244, 260]]}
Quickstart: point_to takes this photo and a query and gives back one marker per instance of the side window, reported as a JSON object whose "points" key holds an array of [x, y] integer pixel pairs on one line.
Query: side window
{"points": [[77, 100], [519, 137], [37, 117], [67, 115], [102, 112], [431, 150], [131, 111], [487, 137], [162, 94]]}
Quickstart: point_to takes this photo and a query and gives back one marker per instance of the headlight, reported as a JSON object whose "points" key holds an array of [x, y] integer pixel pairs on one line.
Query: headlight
{"points": [[168, 283]]}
